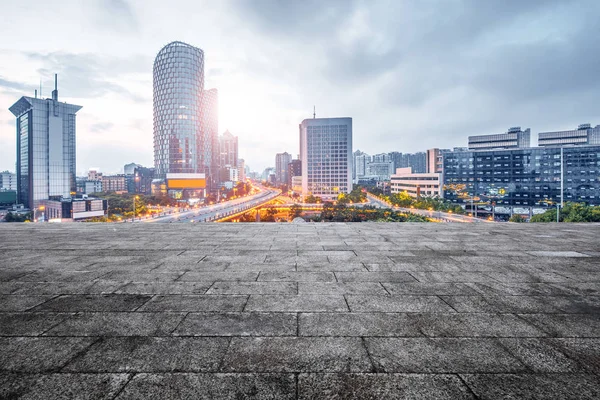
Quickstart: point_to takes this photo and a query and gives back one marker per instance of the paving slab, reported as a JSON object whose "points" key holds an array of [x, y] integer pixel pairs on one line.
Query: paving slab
{"points": [[238, 324], [288, 311]]}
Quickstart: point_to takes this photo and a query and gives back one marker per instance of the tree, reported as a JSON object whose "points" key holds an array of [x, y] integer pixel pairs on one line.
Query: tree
{"points": [[517, 218], [295, 212]]}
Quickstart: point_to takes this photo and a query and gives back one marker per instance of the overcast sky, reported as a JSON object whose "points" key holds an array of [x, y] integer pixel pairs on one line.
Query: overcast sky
{"points": [[412, 74]]}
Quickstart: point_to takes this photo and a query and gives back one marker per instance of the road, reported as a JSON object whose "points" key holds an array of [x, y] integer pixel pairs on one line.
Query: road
{"points": [[443, 216], [212, 212]]}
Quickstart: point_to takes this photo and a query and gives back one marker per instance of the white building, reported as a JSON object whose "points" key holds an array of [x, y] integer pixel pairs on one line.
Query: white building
{"points": [[416, 185], [281, 166], [8, 181], [326, 154]]}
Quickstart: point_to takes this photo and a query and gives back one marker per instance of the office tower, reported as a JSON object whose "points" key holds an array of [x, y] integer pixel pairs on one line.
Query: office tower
{"points": [[326, 155], [45, 148], [529, 177], [185, 115], [294, 169], [515, 138], [228, 145], [379, 168], [281, 167], [584, 134], [360, 166], [242, 169]]}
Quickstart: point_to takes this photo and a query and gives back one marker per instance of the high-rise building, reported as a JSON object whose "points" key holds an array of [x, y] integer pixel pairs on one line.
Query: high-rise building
{"points": [[45, 148], [241, 169], [360, 165], [326, 154], [584, 134], [8, 181], [435, 160], [294, 169], [185, 115], [129, 169], [281, 167], [515, 138], [228, 147]]}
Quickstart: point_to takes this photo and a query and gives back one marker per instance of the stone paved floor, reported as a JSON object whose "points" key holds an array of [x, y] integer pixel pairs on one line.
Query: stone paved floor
{"points": [[282, 311]]}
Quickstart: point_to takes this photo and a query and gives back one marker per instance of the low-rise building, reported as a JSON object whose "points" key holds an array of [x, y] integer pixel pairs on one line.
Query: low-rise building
{"points": [[515, 138], [74, 209], [583, 135], [415, 184], [114, 183], [8, 181]]}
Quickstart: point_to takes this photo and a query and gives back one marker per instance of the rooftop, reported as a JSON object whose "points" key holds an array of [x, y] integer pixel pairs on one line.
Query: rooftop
{"points": [[285, 311]]}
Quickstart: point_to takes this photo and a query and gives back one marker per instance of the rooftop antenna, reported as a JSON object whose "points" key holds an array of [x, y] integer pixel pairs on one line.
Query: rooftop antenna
{"points": [[314, 112], [55, 91], [36, 93]]}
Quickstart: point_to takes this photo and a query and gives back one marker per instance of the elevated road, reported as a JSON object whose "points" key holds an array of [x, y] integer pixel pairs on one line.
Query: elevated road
{"points": [[217, 211]]}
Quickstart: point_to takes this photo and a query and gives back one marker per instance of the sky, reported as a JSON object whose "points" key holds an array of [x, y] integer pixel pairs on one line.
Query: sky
{"points": [[412, 74]]}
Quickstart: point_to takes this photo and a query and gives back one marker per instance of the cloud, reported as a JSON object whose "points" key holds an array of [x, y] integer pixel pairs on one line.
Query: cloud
{"points": [[101, 127], [16, 86], [91, 75], [116, 15]]}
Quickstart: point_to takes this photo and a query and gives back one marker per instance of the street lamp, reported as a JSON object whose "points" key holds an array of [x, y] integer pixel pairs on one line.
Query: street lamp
{"points": [[134, 199]]}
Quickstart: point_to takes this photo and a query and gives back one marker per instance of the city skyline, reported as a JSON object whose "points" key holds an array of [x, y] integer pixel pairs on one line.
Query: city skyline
{"points": [[395, 80]]}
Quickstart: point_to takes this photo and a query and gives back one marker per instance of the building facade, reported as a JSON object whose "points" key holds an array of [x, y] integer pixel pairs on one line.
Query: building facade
{"points": [[228, 145], [114, 183], [185, 115], [524, 178], [46, 158], [435, 161], [282, 161], [8, 181], [415, 184], [515, 138], [583, 135], [326, 155], [294, 169], [74, 209]]}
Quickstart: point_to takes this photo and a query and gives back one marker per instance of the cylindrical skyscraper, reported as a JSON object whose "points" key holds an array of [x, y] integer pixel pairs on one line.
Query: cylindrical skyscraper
{"points": [[178, 98]]}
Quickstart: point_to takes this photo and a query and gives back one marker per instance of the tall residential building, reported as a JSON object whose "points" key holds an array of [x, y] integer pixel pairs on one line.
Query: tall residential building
{"points": [[281, 167], [360, 166], [185, 115], [45, 148], [435, 160], [242, 169], [584, 134], [356, 154], [8, 181], [326, 154], [515, 138], [294, 169], [228, 147]]}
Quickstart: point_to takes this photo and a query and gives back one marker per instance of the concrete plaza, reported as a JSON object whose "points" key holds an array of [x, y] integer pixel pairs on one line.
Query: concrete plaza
{"points": [[300, 311]]}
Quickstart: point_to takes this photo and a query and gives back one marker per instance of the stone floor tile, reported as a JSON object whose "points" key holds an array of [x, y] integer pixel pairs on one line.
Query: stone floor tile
{"points": [[39, 354], [97, 303], [340, 288], [15, 303], [296, 354], [151, 354], [441, 355], [62, 386], [540, 355], [164, 288], [118, 324], [566, 325], [407, 303], [421, 288], [297, 276], [210, 386], [357, 324], [533, 386], [194, 303], [29, 323], [238, 324], [288, 288], [382, 386], [297, 303], [374, 277], [475, 325]]}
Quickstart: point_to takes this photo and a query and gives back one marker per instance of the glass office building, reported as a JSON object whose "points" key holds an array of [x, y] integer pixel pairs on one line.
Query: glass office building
{"points": [[185, 115], [514, 138], [326, 154], [524, 178], [584, 134], [45, 149]]}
